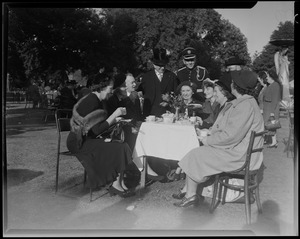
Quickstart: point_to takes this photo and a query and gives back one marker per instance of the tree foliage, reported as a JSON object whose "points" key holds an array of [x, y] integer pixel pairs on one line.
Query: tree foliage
{"points": [[265, 60], [44, 43]]}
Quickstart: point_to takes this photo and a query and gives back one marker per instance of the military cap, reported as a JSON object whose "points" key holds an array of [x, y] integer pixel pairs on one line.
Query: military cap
{"points": [[189, 53]]}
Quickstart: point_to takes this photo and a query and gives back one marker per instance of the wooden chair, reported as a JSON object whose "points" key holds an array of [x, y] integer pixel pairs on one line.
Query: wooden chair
{"points": [[62, 118], [252, 179], [50, 109]]}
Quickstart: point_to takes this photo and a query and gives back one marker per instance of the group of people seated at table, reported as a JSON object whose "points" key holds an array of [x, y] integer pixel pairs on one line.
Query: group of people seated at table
{"points": [[229, 113]]}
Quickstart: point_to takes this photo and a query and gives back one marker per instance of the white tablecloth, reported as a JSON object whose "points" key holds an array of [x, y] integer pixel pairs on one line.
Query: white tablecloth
{"points": [[168, 141]]}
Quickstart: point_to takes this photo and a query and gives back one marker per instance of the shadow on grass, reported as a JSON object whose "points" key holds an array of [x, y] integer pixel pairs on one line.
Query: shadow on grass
{"points": [[18, 176], [11, 131]]}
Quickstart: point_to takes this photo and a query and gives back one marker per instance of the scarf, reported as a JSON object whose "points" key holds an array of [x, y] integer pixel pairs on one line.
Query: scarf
{"points": [[81, 125]]}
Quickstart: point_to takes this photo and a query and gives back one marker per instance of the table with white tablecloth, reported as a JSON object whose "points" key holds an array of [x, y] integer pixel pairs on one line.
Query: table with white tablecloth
{"points": [[168, 141]]}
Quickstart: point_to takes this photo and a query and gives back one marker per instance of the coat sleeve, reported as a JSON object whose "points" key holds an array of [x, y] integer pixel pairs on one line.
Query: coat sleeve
{"points": [[237, 124]]}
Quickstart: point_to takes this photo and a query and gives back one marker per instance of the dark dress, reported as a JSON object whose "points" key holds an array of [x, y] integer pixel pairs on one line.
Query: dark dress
{"points": [[101, 160]]}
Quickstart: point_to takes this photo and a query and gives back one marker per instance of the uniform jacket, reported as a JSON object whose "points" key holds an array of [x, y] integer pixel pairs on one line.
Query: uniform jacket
{"points": [[225, 149], [195, 75], [153, 89]]}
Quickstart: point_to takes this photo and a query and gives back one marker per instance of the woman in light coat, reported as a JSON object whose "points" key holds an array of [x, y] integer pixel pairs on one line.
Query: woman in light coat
{"points": [[225, 148]]}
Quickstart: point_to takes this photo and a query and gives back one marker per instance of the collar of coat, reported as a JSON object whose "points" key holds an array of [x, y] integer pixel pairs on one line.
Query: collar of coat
{"points": [[235, 102]]}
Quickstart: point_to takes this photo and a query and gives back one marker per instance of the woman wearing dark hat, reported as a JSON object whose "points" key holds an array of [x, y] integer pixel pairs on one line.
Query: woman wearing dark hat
{"points": [[222, 92], [103, 161], [226, 146], [210, 106]]}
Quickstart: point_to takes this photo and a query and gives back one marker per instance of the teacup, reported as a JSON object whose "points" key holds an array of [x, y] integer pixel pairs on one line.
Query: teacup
{"points": [[193, 119], [203, 133], [150, 118]]}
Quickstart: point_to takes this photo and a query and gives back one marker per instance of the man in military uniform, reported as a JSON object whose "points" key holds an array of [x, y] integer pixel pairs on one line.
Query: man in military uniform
{"points": [[192, 72]]}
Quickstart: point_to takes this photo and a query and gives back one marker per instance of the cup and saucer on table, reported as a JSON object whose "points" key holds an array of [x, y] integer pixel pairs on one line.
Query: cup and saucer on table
{"points": [[150, 118]]}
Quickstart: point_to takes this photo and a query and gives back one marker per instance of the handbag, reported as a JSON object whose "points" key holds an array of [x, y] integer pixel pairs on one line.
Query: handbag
{"points": [[272, 125]]}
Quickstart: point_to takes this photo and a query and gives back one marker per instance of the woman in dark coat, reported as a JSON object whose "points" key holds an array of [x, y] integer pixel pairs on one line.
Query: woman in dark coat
{"points": [[103, 161], [272, 96]]}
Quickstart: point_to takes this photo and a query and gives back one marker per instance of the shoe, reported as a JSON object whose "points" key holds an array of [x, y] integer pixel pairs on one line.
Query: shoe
{"points": [[179, 195], [186, 202], [171, 175], [177, 176], [155, 178], [182, 176], [124, 194], [272, 146]]}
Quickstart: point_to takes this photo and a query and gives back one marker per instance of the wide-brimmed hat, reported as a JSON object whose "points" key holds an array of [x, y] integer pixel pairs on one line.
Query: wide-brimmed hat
{"points": [[187, 83], [282, 42], [235, 60], [160, 57], [189, 53], [225, 81], [245, 79]]}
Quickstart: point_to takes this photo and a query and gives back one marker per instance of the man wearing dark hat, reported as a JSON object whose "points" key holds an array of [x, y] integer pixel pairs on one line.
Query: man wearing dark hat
{"points": [[192, 72], [157, 82], [234, 64]]}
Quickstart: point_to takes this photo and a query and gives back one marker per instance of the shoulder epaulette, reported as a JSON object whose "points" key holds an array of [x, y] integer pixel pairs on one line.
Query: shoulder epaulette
{"points": [[180, 69], [201, 67]]}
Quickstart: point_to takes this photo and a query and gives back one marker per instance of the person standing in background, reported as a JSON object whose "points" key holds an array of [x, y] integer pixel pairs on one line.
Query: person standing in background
{"points": [[282, 70], [156, 83], [272, 96]]}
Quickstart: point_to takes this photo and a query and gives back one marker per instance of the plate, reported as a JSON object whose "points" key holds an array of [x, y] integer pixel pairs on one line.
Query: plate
{"points": [[126, 120], [195, 105]]}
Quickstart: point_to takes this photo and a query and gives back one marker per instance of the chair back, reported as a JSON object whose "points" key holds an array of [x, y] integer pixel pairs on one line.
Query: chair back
{"points": [[62, 118], [251, 150]]}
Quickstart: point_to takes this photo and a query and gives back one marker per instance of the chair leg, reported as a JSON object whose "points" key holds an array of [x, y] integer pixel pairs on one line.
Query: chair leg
{"points": [[84, 177], [57, 171], [225, 192], [144, 173], [247, 202], [213, 204], [91, 194], [257, 197]]}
